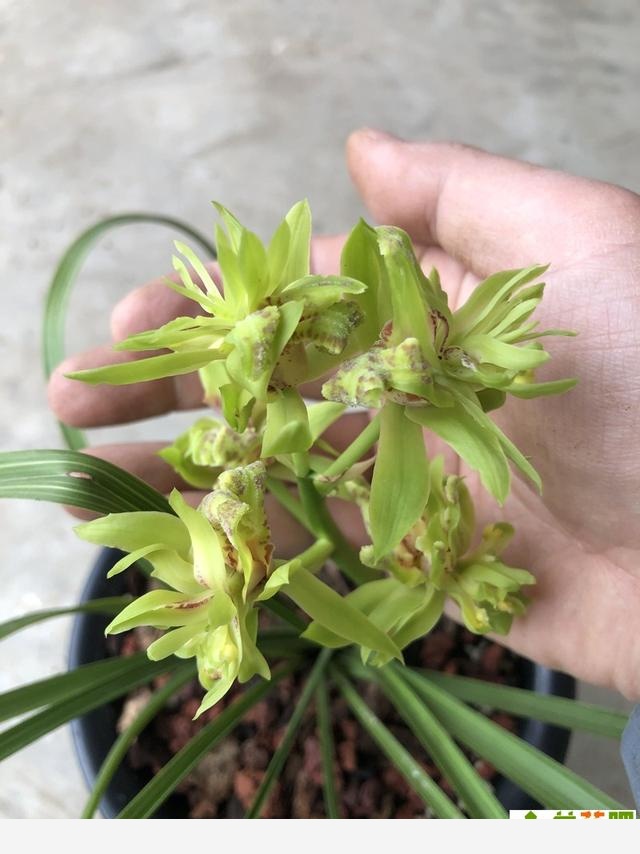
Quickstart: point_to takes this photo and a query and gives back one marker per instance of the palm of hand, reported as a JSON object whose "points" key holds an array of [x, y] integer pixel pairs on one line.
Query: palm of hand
{"points": [[581, 538]]}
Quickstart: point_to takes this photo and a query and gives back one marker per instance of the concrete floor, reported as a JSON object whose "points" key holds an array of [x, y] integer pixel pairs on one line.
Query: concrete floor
{"points": [[109, 107]]}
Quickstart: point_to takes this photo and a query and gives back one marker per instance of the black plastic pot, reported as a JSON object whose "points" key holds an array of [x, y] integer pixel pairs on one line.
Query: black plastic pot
{"points": [[94, 733]]}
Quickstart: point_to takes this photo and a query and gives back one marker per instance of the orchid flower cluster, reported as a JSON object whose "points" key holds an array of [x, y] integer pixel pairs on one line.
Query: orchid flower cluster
{"points": [[383, 337]]}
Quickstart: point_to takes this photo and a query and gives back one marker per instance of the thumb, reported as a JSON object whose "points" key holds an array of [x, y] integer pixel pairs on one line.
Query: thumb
{"points": [[393, 178], [487, 212]]}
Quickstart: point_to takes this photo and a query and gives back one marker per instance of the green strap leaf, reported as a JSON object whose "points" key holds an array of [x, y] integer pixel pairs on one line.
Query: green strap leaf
{"points": [[479, 449], [51, 690], [109, 605], [543, 778], [323, 604], [80, 480], [71, 477], [284, 748], [474, 791], [400, 485], [560, 711], [120, 748], [138, 673], [65, 277], [413, 773], [327, 753], [155, 793]]}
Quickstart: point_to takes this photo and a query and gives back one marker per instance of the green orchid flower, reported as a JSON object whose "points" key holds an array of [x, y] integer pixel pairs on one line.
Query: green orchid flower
{"points": [[216, 560], [443, 370], [437, 552], [209, 447], [384, 333], [272, 327], [424, 348], [435, 561], [216, 566]]}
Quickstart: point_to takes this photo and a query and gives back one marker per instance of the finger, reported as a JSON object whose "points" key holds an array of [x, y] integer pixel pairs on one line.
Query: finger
{"points": [[325, 254], [142, 460], [81, 405], [488, 212]]}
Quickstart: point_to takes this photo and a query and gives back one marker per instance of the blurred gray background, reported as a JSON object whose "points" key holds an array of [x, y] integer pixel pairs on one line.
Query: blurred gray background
{"points": [[134, 104]]}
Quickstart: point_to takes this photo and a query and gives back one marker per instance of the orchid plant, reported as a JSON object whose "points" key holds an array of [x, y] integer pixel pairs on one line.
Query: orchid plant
{"points": [[383, 338], [386, 332]]}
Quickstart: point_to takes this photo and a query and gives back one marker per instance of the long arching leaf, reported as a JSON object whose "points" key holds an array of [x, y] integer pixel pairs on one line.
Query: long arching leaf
{"points": [[80, 480], [118, 751], [110, 605], [61, 686], [538, 774], [65, 278], [560, 711], [139, 673], [327, 750], [479, 800], [414, 774], [437, 741]]}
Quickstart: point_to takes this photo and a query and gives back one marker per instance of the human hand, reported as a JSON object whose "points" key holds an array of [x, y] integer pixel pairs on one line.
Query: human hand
{"points": [[471, 214]]}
